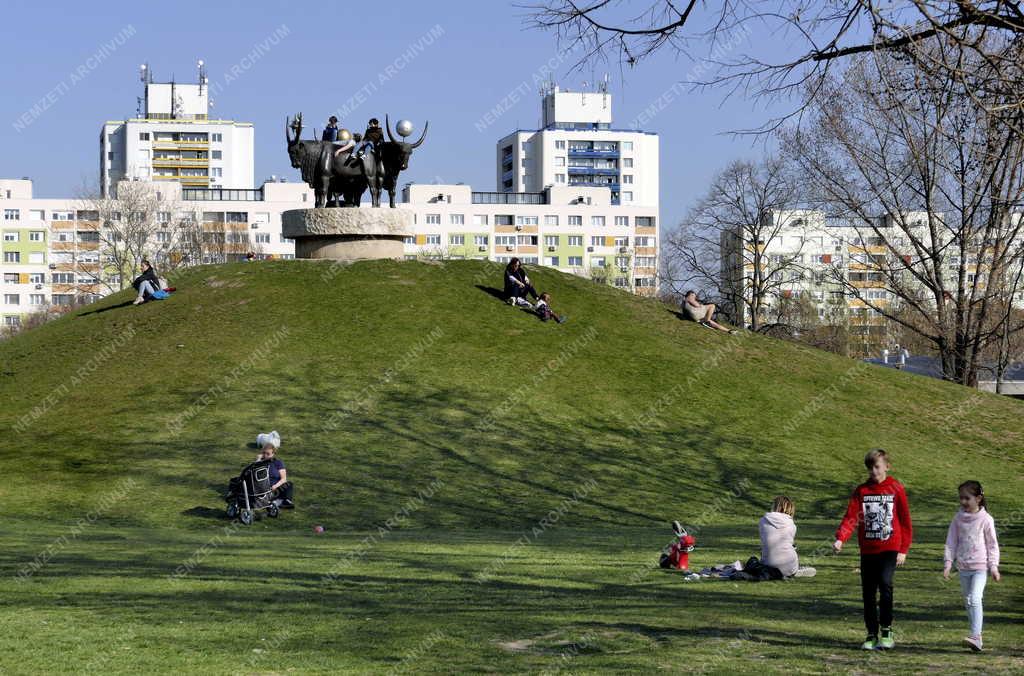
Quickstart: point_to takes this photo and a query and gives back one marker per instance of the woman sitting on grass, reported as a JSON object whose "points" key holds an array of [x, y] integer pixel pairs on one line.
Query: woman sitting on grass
{"points": [[146, 284], [701, 313], [517, 284], [778, 533]]}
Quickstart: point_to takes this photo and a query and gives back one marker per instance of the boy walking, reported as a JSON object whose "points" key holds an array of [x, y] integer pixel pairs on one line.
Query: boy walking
{"points": [[880, 513]]}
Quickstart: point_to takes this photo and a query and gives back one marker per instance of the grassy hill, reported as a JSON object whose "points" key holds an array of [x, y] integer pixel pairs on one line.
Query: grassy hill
{"points": [[429, 426]]}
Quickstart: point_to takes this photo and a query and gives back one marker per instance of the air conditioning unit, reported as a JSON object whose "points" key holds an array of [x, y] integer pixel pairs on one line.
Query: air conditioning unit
{"points": [[623, 249], [590, 249], [510, 248], [519, 227], [53, 266], [39, 286], [551, 248], [482, 248], [254, 226], [623, 269]]}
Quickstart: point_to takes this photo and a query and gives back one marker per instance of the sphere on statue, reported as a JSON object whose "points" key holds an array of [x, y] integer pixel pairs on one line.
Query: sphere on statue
{"points": [[344, 135], [403, 127]]}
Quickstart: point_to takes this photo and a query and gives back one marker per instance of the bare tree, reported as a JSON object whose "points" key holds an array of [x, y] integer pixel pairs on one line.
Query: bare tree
{"points": [[724, 243], [817, 34], [932, 183]]}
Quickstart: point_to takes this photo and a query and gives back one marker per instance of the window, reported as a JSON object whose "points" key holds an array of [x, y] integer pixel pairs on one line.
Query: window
{"points": [[36, 257], [575, 220], [627, 196], [11, 236], [576, 261], [216, 138], [551, 220], [559, 161], [12, 257], [90, 236], [480, 240], [36, 215], [456, 219], [12, 320], [559, 145], [644, 281], [285, 240], [621, 282], [550, 240], [552, 261], [597, 220], [527, 240], [215, 155], [645, 261], [627, 146], [597, 261], [643, 241], [10, 278], [645, 221], [143, 135], [457, 240], [163, 236], [527, 220], [575, 240], [36, 299], [411, 239], [559, 178], [627, 162], [263, 238], [37, 278], [597, 240], [503, 219], [479, 219], [627, 178], [12, 214], [70, 216], [63, 299], [622, 241], [433, 219], [622, 220], [433, 239], [62, 278], [12, 299], [216, 172], [504, 240]]}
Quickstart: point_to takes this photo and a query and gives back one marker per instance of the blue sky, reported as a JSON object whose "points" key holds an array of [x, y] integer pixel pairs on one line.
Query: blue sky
{"points": [[314, 57]]}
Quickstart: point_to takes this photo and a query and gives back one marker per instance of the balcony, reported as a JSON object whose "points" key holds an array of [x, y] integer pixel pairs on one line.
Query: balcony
{"points": [[586, 152], [180, 162], [594, 171], [509, 198]]}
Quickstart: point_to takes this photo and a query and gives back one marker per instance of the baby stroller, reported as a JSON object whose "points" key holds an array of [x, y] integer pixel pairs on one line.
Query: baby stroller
{"points": [[250, 492]]}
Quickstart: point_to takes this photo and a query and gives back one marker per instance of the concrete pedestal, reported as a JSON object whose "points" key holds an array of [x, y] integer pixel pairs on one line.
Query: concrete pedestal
{"points": [[347, 234]]}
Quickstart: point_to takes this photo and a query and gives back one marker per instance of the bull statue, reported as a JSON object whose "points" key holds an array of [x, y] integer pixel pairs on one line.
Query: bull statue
{"points": [[332, 176], [395, 154]]}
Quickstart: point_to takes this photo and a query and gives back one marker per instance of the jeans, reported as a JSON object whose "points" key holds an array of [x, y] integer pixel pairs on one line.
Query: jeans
{"points": [[972, 584], [146, 288], [284, 491], [516, 291], [876, 572]]}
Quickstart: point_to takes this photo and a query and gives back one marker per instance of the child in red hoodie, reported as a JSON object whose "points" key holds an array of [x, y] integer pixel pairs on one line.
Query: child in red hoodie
{"points": [[880, 513]]}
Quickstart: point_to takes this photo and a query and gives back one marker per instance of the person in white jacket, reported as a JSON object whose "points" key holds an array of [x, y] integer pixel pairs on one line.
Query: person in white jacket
{"points": [[778, 533]]}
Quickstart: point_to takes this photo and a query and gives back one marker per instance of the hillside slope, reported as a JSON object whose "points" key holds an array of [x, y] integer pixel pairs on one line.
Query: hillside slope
{"points": [[408, 387]]}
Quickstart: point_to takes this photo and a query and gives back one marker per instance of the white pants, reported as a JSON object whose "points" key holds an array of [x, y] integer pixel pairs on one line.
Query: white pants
{"points": [[146, 287], [972, 584]]}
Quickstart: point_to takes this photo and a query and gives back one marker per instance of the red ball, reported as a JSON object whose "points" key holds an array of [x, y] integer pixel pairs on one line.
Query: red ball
{"points": [[318, 529]]}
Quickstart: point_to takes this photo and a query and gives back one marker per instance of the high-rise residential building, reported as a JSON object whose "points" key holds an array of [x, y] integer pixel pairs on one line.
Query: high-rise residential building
{"points": [[174, 139], [578, 146]]}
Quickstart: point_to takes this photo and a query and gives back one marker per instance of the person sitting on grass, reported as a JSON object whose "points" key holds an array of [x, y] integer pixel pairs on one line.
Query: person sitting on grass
{"points": [[279, 484], [778, 533], [517, 284], [702, 313], [544, 311], [146, 284]]}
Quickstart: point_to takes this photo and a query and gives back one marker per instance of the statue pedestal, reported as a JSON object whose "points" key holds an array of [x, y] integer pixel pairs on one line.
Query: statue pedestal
{"points": [[347, 234]]}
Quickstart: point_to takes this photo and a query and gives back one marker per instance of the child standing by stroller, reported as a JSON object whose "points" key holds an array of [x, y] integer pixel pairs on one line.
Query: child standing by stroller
{"points": [[544, 311], [971, 542]]}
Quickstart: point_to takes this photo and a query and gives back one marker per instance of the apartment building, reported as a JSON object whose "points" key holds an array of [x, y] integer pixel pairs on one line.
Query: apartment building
{"points": [[174, 140], [816, 257]]}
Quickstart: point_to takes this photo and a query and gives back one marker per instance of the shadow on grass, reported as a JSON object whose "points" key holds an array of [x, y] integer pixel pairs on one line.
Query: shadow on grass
{"points": [[490, 290], [127, 303]]}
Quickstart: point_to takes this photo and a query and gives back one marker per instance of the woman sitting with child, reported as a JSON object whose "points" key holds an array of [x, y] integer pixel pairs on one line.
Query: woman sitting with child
{"points": [[702, 313], [517, 284]]}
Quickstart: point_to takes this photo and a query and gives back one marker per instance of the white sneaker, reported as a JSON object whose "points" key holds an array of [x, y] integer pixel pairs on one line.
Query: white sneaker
{"points": [[805, 572], [974, 643]]}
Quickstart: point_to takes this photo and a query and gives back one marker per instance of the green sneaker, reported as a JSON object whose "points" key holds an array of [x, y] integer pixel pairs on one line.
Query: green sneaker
{"points": [[886, 641], [870, 643]]}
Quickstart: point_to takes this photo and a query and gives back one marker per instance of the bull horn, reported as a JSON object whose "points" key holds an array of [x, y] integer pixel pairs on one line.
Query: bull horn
{"points": [[387, 125], [287, 130], [422, 136]]}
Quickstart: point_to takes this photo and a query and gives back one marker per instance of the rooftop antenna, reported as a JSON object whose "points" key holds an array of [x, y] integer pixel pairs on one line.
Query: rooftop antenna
{"points": [[603, 88], [145, 74], [202, 75], [583, 92]]}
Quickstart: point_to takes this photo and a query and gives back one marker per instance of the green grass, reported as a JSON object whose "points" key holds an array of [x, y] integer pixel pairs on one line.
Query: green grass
{"points": [[430, 429]]}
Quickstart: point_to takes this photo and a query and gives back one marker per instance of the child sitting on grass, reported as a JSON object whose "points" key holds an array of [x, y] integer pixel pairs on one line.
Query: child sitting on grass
{"points": [[544, 311], [879, 512], [971, 542]]}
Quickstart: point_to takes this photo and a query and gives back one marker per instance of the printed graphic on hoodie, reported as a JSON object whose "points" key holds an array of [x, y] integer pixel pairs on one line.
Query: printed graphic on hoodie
{"points": [[878, 510]]}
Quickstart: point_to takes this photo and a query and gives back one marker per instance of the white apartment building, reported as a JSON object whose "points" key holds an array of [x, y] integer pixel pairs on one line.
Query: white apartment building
{"points": [[577, 146], [174, 140], [816, 251], [574, 229]]}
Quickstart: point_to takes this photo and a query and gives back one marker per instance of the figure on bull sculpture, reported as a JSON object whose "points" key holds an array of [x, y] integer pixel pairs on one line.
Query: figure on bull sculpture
{"points": [[340, 175]]}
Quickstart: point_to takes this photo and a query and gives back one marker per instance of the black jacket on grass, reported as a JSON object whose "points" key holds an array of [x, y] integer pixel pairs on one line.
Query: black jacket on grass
{"points": [[148, 275]]}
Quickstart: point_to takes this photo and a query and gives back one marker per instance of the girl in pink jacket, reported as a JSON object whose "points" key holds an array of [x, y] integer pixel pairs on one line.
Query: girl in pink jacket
{"points": [[971, 542]]}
